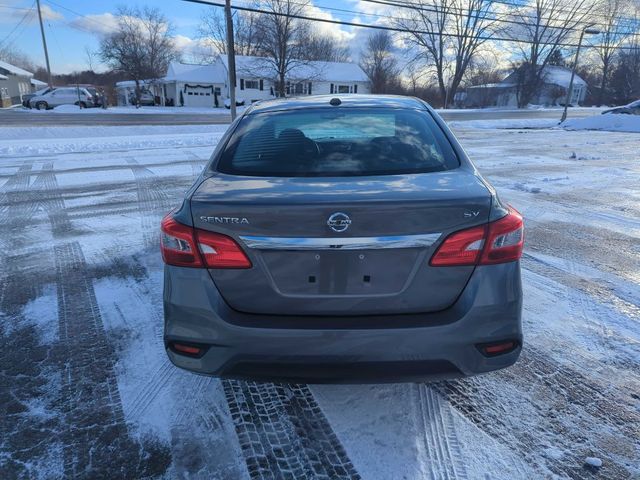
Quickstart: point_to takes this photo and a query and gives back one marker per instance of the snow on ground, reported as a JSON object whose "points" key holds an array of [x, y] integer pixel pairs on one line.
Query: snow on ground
{"points": [[609, 122], [507, 123], [81, 323], [132, 110], [19, 141]]}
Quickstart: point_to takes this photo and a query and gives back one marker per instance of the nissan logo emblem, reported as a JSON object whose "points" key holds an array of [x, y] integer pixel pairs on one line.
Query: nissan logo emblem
{"points": [[339, 222]]}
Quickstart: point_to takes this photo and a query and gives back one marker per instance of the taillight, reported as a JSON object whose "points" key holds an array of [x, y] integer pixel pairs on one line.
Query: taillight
{"points": [[461, 248], [497, 242], [505, 240], [178, 245], [220, 251], [186, 246]]}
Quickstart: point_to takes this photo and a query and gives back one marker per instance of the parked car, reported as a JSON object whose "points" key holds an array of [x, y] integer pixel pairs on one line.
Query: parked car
{"points": [[63, 96], [632, 108], [146, 98], [26, 98], [338, 239]]}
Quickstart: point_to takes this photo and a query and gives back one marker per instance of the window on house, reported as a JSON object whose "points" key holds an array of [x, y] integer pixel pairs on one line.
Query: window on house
{"points": [[343, 88], [254, 84]]}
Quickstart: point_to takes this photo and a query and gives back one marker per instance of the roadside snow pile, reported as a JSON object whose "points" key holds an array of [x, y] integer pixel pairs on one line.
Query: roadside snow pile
{"points": [[66, 109], [133, 110], [609, 122], [506, 123]]}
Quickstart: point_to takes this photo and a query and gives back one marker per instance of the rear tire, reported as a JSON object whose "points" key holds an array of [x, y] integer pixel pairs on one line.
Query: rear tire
{"points": [[42, 106]]}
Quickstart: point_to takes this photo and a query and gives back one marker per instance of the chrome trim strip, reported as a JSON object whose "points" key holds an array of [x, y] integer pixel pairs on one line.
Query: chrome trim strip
{"points": [[347, 243]]}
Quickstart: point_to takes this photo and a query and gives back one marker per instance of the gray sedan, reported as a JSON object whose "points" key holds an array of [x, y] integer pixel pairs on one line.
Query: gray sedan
{"points": [[342, 239], [63, 96]]}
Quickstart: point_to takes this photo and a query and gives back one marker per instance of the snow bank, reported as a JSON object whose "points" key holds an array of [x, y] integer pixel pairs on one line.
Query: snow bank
{"points": [[609, 122], [132, 110], [506, 123]]}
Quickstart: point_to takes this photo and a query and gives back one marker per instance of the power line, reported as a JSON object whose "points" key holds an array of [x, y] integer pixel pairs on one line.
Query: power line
{"points": [[380, 27], [463, 13], [24, 17], [435, 9], [97, 22]]}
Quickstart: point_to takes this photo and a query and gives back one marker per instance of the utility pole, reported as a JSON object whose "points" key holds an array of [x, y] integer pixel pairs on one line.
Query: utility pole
{"points": [[591, 31], [231, 59], [44, 44]]}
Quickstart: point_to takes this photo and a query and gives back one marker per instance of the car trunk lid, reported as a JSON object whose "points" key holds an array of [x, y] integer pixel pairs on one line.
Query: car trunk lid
{"points": [[344, 245]]}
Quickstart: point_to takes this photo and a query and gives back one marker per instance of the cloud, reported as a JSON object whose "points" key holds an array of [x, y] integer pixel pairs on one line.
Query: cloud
{"points": [[15, 12], [332, 30], [101, 23]]}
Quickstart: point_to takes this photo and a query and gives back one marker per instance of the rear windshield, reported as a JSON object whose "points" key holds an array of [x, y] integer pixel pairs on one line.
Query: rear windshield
{"points": [[338, 142]]}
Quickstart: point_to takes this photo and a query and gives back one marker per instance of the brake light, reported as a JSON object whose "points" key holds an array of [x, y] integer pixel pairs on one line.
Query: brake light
{"points": [[186, 246], [505, 240], [500, 241], [177, 244]]}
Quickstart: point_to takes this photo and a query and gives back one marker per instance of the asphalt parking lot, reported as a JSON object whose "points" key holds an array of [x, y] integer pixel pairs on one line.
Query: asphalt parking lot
{"points": [[86, 390]]}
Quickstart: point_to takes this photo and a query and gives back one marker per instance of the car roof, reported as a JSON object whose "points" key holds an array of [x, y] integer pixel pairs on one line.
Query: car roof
{"points": [[353, 100]]}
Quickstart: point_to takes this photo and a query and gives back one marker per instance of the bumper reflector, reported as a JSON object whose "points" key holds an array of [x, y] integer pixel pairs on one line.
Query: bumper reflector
{"points": [[494, 349], [189, 350]]}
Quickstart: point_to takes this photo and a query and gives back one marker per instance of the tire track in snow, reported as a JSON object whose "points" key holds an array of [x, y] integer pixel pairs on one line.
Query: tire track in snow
{"points": [[283, 433], [18, 203], [97, 443], [202, 433], [94, 403], [576, 411], [50, 198], [153, 201], [442, 448], [151, 389]]}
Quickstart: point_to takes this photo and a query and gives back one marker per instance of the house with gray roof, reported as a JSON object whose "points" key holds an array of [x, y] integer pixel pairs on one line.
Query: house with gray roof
{"points": [[207, 85], [14, 83], [553, 91]]}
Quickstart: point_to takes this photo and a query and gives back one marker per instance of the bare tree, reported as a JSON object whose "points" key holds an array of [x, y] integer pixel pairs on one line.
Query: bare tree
{"points": [[281, 35], [447, 34], [141, 47], [542, 28], [615, 30], [212, 32], [625, 78], [90, 57], [378, 61], [10, 54]]}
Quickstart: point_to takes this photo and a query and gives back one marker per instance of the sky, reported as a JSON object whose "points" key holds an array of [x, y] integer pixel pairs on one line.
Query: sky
{"points": [[74, 26]]}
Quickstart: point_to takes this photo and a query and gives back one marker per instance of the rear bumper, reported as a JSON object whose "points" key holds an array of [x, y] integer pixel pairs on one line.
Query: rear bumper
{"points": [[353, 349]]}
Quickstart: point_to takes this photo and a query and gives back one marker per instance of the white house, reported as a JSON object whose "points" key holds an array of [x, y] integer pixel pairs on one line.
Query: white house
{"points": [[184, 84], [256, 78], [207, 85], [505, 94], [14, 83]]}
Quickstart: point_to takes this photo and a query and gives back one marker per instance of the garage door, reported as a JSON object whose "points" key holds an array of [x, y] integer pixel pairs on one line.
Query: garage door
{"points": [[198, 97]]}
